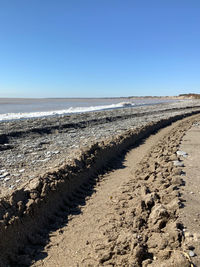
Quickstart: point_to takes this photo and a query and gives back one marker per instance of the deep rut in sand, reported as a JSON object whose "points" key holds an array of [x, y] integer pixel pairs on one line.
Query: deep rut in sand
{"points": [[130, 214]]}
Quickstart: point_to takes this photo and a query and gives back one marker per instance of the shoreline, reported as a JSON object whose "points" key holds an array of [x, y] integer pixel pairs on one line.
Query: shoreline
{"points": [[32, 147], [16, 109], [42, 196]]}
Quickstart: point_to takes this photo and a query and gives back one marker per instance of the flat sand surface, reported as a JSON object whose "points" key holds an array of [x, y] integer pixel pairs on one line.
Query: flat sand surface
{"points": [[190, 214]]}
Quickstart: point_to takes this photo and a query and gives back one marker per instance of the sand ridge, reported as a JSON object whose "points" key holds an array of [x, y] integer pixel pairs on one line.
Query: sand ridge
{"points": [[133, 218], [31, 147], [33, 213]]}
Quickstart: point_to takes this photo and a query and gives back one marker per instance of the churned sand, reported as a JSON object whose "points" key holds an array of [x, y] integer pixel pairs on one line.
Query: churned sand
{"points": [[136, 216], [128, 200]]}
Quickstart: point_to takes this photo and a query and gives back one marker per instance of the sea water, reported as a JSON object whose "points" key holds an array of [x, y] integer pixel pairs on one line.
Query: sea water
{"points": [[19, 108]]}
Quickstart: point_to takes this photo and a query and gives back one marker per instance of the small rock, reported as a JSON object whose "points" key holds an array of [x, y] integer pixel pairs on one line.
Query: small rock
{"points": [[6, 179], [178, 163], [43, 160], [11, 187], [182, 153], [22, 170], [191, 253], [4, 175]]}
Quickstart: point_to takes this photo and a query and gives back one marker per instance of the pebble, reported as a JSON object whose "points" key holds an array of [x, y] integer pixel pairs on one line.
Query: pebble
{"points": [[7, 179], [43, 160], [22, 170], [29, 150], [178, 163], [11, 187], [4, 175], [191, 253], [182, 153]]}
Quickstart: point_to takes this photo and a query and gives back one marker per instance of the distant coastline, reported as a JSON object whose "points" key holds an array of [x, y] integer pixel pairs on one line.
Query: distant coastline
{"points": [[190, 95]]}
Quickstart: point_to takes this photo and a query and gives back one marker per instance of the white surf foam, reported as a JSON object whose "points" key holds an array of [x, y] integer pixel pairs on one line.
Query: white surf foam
{"points": [[16, 116]]}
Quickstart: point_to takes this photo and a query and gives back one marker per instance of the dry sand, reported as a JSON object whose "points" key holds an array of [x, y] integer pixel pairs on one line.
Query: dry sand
{"points": [[110, 206], [190, 215], [134, 217], [31, 147]]}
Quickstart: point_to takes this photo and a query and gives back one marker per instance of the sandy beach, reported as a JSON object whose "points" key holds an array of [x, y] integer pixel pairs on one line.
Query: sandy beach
{"points": [[99, 134], [31, 147], [100, 189], [134, 216]]}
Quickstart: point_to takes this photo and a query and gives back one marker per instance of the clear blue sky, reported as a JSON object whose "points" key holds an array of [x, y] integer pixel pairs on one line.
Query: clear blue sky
{"points": [[66, 48]]}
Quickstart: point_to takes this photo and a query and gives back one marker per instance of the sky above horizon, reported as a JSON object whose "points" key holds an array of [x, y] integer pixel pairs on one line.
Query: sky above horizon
{"points": [[76, 48]]}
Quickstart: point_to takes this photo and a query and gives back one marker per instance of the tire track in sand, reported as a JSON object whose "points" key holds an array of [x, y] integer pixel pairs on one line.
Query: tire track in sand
{"points": [[131, 219]]}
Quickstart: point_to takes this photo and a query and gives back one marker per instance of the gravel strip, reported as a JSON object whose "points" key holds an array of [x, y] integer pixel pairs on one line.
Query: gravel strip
{"points": [[31, 147]]}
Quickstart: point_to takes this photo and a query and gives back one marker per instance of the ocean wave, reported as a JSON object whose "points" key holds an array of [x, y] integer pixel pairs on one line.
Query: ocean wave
{"points": [[71, 110]]}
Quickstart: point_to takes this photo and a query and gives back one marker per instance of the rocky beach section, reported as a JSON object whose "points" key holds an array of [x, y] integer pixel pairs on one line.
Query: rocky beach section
{"points": [[31, 147], [46, 161]]}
